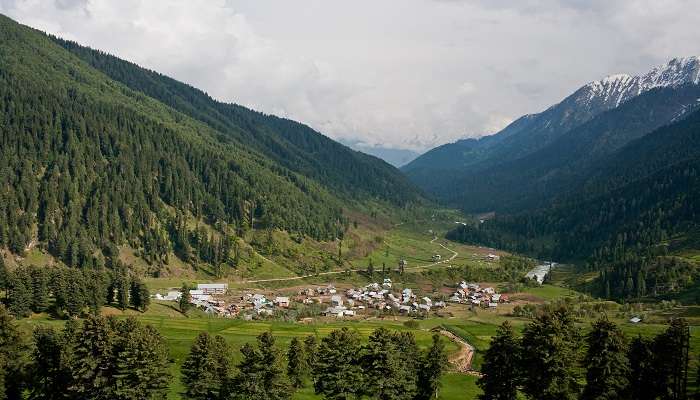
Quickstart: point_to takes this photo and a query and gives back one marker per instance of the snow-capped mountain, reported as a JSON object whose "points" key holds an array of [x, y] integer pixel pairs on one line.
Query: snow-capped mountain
{"points": [[613, 90], [441, 170]]}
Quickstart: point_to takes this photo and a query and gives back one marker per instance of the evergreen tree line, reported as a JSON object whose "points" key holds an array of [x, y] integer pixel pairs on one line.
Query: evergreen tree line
{"points": [[100, 359], [70, 292], [86, 164], [619, 223], [292, 145], [553, 361], [389, 367]]}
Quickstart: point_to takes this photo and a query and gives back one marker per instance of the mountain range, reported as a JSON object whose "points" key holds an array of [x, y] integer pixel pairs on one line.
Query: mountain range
{"points": [[537, 152], [607, 179]]}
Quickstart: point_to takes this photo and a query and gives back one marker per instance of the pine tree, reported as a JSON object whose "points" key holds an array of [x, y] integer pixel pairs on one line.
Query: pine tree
{"points": [[501, 366], [185, 299], [550, 357], [40, 281], [409, 357], [21, 294], [383, 368], [338, 374], [139, 296], [671, 349], [141, 357], [275, 383], [14, 354], [4, 274], [96, 288], [310, 348], [607, 375], [122, 286], [200, 370], [296, 368], [223, 363], [3, 372], [49, 378], [645, 379], [431, 370], [93, 365], [75, 295], [248, 384]]}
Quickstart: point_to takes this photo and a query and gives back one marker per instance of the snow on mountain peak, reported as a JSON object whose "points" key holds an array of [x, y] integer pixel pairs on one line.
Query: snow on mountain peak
{"points": [[615, 89]]}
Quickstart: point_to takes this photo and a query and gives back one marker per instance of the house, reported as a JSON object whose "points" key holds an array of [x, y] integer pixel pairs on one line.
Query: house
{"points": [[337, 311], [405, 309], [282, 302], [387, 283], [635, 320], [196, 294], [492, 257], [213, 288], [336, 301], [437, 257], [496, 297], [427, 301], [173, 295]]}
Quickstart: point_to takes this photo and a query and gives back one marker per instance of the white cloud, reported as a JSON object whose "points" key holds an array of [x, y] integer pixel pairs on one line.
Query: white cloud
{"points": [[394, 73]]}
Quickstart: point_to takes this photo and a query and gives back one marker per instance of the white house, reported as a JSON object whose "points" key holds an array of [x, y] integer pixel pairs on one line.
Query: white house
{"points": [[197, 294], [282, 302], [213, 288]]}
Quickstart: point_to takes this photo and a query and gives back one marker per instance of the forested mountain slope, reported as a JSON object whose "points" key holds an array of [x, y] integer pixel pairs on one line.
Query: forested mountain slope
{"points": [[621, 218], [88, 163], [450, 171], [556, 169], [295, 146]]}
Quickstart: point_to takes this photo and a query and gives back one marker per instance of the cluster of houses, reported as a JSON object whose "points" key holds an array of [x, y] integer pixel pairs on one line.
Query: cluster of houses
{"points": [[476, 296], [381, 297], [203, 297]]}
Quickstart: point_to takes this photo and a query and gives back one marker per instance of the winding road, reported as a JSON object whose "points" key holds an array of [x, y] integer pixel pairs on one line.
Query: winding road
{"points": [[300, 277]]}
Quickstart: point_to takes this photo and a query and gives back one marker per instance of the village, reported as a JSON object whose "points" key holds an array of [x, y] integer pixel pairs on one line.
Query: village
{"points": [[374, 299]]}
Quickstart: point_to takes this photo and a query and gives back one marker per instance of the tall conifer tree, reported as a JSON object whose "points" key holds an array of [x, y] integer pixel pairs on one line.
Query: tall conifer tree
{"points": [[501, 367]]}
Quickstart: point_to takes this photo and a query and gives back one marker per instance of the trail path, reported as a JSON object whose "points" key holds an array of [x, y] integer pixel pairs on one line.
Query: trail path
{"points": [[300, 277], [462, 360]]}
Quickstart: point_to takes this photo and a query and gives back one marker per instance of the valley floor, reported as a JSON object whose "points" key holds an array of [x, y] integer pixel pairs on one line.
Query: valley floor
{"points": [[417, 243]]}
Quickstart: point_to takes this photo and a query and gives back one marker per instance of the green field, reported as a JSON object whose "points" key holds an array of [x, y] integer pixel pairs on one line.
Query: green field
{"points": [[409, 241]]}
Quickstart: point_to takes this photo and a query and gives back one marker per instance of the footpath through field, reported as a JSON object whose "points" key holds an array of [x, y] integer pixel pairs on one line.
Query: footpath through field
{"points": [[462, 360], [296, 278]]}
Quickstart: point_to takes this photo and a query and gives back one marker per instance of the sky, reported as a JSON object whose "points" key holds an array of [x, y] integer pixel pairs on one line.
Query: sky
{"points": [[391, 74]]}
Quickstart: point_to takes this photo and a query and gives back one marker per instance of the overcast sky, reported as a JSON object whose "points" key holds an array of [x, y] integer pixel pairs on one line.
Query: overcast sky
{"points": [[407, 74]]}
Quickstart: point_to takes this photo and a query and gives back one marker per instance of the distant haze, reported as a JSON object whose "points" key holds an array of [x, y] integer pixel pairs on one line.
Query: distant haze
{"points": [[390, 74], [395, 157]]}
